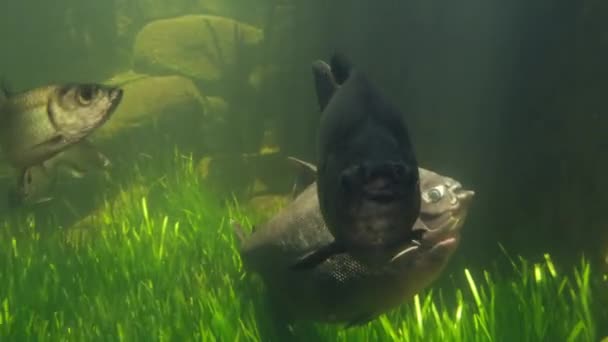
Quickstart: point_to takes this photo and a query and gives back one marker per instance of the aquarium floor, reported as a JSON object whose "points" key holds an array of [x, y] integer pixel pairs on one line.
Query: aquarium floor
{"points": [[162, 266]]}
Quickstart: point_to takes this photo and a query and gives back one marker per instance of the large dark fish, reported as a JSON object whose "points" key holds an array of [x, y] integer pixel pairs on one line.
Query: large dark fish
{"points": [[368, 181], [341, 289], [38, 125]]}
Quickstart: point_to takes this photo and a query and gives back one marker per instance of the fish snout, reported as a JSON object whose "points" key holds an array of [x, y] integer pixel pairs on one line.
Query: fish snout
{"points": [[379, 180], [464, 196], [115, 94]]}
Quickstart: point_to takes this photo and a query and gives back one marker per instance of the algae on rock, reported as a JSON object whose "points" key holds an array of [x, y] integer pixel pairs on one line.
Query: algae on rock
{"points": [[147, 98], [197, 46]]}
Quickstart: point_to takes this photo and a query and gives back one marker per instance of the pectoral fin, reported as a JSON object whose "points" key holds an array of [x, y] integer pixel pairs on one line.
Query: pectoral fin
{"points": [[52, 142], [306, 176], [316, 257], [310, 168]]}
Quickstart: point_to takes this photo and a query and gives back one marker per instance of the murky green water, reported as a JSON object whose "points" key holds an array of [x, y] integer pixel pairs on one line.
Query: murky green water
{"points": [[506, 97]]}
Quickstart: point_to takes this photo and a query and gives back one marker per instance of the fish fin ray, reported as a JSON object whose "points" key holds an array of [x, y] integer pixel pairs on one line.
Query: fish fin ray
{"points": [[325, 83], [309, 167], [306, 176]]}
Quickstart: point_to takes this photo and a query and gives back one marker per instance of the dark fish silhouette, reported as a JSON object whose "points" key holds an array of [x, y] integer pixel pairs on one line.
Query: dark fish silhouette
{"points": [[368, 181]]}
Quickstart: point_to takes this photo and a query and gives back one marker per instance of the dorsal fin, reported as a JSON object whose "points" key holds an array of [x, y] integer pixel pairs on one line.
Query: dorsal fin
{"points": [[325, 83], [329, 77], [341, 67]]}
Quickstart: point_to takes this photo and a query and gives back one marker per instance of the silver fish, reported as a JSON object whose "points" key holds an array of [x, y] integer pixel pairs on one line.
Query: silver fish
{"points": [[40, 124]]}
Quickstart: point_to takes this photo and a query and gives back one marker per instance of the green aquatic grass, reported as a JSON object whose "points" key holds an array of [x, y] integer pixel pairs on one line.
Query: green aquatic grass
{"points": [[158, 262]]}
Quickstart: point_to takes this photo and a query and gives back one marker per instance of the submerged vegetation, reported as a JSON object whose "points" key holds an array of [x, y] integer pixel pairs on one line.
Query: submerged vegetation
{"points": [[164, 266]]}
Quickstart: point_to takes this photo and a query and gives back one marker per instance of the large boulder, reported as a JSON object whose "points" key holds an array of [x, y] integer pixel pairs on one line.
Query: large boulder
{"points": [[148, 98], [198, 46]]}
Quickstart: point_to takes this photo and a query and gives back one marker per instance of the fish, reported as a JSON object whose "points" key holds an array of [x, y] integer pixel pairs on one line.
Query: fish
{"points": [[40, 180], [341, 289], [368, 180], [49, 125]]}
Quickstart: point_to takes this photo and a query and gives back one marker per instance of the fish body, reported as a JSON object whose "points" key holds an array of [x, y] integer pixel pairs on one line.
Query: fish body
{"points": [[40, 180], [367, 180], [39, 124], [341, 289]]}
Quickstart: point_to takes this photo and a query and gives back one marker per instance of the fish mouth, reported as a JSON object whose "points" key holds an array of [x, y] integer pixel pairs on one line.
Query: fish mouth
{"points": [[447, 224], [115, 95], [438, 232], [437, 243], [463, 195]]}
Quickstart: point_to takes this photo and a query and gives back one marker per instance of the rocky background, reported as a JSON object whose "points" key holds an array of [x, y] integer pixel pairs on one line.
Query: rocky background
{"points": [[508, 97]]}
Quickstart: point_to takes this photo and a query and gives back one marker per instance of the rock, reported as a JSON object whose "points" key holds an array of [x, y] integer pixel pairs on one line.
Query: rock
{"points": [[147, 98], [198, 46]]}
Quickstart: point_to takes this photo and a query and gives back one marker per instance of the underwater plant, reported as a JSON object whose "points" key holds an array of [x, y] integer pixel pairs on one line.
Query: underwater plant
{"points": [[160, 264]]}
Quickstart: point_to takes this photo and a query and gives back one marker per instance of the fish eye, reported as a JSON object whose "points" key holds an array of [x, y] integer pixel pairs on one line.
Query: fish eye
{"points": [[86, 93], [435, 194]]}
